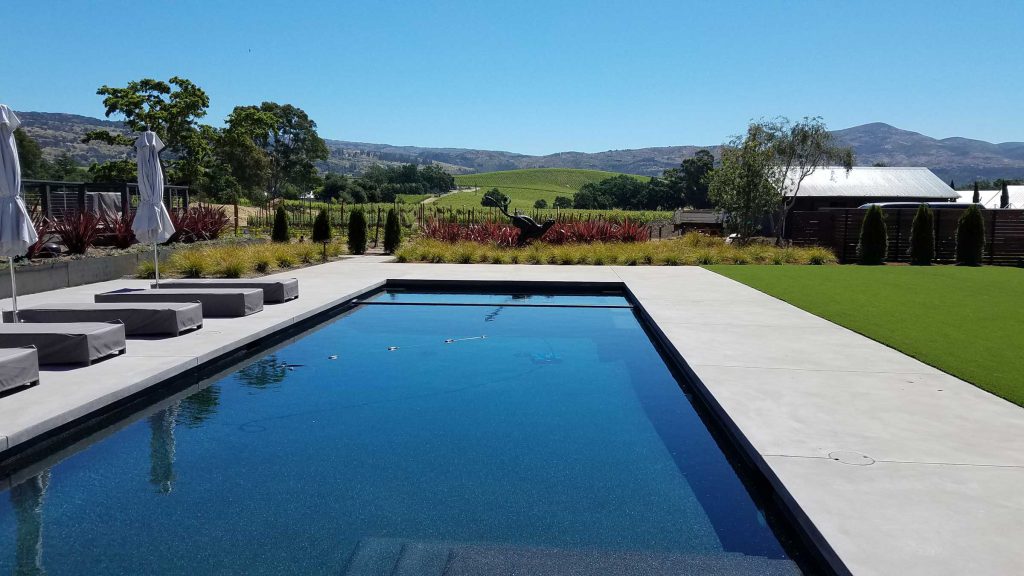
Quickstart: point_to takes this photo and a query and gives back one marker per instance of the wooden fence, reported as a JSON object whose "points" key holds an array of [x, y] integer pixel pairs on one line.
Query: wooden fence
{"points": [[839, 229]]}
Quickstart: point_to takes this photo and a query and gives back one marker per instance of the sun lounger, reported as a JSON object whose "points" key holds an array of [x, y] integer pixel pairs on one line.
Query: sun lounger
{"points": [[157, 318], [274, 290], [18, 367], [66, 342], [217, 302]]}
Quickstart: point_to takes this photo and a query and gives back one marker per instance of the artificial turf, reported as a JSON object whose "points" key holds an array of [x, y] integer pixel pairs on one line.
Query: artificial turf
{"points": [[968, 322]]}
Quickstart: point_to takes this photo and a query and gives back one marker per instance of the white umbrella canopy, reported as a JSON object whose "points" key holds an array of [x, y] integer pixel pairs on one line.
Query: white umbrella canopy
{"points": [[152, 223], [16, 230]]}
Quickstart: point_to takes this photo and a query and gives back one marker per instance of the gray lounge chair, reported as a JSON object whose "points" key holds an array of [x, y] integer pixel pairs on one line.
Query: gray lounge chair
{"points": [[139, 318], [275, 290], [18, 367], [66, 342], [217, 302]]}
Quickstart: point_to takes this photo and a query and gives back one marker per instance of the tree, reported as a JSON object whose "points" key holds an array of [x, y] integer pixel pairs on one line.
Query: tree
{"points": [[740, 187], [977, 194], [799, 149], [280, 232], [357, 232], [620, 191], [321, 227], [970, 237], [335, 188], [392, 232], [172, 110], [540, 204], [922, 237], [686, 185], [1004, 198], [292, 146], [240, 147], [30, 156], [874, 242], [952, 184], [494, 198], [562, 202]]}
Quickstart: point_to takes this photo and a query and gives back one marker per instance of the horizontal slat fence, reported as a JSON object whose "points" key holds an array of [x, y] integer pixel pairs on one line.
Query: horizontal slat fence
{"points": [[839, 229]]}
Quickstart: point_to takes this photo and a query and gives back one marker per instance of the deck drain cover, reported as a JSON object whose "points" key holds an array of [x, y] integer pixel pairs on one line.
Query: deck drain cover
{"points": [[851, 457]]}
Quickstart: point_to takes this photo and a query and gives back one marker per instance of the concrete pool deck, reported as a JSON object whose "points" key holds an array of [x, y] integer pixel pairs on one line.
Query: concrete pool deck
{"points": [[899, 467]]}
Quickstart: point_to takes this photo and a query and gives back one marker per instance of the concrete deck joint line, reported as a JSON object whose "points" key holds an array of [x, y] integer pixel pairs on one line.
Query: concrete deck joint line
{"points": [[941, 497]]}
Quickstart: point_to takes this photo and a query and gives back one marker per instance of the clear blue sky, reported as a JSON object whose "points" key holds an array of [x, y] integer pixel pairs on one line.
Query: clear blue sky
{"points": [[539, 77]]}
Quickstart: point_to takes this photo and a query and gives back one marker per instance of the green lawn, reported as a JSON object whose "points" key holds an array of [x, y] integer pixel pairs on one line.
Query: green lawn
{"points": [[968, 322], [525, 187]]}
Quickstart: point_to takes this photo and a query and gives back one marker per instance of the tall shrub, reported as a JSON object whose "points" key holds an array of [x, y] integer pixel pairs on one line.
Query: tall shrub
{"points": [[392, 232], [873, 239], [357, 232], [970, 237], [922, 237], [280, 231], [321, 227]]}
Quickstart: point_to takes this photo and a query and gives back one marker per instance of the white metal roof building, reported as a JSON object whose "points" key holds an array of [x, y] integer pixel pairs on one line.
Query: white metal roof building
{"points": [[871, 181]]}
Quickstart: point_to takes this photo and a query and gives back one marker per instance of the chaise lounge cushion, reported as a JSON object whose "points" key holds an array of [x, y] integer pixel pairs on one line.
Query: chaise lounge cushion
{"points": [[163, 318], [217, 302], [275, 290], [66, 343], [18, 367]]}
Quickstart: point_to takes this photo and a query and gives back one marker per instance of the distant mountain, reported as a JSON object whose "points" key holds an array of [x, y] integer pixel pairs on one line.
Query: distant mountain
{"points": [[959, 159]]}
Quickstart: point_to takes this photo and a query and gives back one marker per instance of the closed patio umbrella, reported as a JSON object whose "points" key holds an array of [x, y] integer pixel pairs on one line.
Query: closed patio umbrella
{"points": [[16, 230], [152, 223]]}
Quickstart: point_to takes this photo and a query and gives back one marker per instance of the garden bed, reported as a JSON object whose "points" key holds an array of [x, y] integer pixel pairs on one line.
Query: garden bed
{"points": [[239, 260]]}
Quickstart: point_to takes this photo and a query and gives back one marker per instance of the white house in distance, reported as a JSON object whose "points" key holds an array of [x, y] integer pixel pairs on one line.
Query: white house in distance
{"points": [[992, 198], [834, 187]]}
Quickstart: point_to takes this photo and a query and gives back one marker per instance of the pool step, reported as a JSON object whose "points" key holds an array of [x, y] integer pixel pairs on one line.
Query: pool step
{"points": [[396, 557]]}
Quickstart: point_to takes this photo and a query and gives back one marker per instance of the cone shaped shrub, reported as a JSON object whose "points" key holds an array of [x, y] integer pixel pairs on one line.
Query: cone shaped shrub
{"points": [[280, 231], [357, 232], [970, 237], [321, 228], [922, 237], [874, 241], [392, 232]]}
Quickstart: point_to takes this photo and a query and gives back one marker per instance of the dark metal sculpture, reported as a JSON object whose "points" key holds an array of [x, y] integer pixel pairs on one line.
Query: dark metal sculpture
{"points": [[529, 229]]}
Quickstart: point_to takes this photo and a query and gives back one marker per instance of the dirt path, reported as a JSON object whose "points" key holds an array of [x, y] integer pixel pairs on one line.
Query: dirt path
{"points": [[432, 198]]}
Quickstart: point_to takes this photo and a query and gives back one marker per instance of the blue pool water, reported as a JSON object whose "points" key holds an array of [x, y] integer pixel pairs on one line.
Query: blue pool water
{"points": [[405, 439]]}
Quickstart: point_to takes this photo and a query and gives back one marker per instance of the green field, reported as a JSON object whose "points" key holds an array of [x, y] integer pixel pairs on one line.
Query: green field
{"points": [[524, 187], [968, 322]]}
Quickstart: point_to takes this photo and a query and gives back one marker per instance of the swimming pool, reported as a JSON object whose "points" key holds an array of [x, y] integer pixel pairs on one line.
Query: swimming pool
{"points": [[418, 433]]}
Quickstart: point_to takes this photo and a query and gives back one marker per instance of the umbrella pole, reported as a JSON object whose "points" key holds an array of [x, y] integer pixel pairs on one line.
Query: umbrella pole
{"points": [[156, 265], [14, 292]]}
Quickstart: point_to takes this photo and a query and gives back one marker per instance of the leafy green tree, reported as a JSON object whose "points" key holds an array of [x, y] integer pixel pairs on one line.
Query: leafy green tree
{"points": [[66, 169], [335, 188], [114, 171], [392, 232], [540, 204], [280, 231], [291, 144], [977, 194], [239, 146], [620, 191], [799, 149], [740, 186], [922, 237], [688, 184], [30, 156], [172, 109], [321, 227], [1004, 198], [970, 237], [562, 202], [495, 198], [357, 232], [874, 241], [436, 180]]}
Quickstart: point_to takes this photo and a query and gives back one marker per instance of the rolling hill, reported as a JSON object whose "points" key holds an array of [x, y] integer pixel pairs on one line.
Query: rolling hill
{"points": [[959, 159], [523, 187]]}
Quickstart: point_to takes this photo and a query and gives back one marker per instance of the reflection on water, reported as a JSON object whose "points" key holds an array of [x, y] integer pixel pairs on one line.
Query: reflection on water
{"points": [[263, 373], [161, 448], [199, 407], [27, 499]]}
